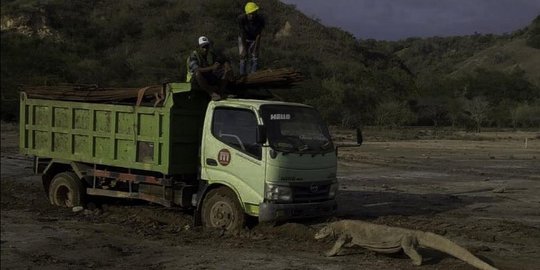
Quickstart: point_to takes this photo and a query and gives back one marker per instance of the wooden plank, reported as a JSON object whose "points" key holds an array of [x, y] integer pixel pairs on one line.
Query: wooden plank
{"points": [[89, 94]]}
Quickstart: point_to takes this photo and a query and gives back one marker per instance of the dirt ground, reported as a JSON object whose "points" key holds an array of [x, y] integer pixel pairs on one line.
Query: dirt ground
{"points": [[482, 192]]}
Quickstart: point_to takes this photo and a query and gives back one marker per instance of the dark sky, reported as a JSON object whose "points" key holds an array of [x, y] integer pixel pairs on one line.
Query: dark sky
{"points": [[397, 19]]}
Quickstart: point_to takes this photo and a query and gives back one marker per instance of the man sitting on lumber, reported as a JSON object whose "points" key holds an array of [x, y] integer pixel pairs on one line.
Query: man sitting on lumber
{"points": [[209, 71]]}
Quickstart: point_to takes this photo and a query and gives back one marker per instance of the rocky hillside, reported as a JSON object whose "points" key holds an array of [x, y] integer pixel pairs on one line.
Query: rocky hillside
{"points": [[134, 43], [463, 55], [353, 82]]}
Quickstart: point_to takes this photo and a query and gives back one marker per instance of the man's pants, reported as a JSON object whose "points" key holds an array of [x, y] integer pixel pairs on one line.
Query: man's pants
{"points": [[250, 53]]}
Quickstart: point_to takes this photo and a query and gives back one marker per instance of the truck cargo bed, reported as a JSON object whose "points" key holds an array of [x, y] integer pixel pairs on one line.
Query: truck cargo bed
{"points": [[163, 138]]}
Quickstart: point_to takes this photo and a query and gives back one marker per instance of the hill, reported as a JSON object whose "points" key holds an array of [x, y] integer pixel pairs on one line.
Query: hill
{"points": [[506, 57], [353, 82], [135, 43], [460, 55], [499, 71], [519, 53]]}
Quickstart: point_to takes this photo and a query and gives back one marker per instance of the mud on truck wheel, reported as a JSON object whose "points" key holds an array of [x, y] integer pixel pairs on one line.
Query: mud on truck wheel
{"points": [[67, 190], [221, 209]]}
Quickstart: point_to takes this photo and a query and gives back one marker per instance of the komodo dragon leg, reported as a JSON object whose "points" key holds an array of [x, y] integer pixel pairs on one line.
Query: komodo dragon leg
{"points": [[342, 240], [409, 245]]}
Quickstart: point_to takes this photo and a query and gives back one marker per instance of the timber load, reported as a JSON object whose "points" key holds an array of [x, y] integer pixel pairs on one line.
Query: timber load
{"points": [[270, 78], [254, 85], [94, 93]]}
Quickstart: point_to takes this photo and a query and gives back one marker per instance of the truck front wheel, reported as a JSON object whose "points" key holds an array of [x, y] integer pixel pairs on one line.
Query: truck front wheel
{"points": [[221, 209], [66, 190]]}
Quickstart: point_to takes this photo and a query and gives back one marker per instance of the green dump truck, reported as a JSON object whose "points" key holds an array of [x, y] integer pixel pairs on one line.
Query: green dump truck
{"points": [[225, 159]]}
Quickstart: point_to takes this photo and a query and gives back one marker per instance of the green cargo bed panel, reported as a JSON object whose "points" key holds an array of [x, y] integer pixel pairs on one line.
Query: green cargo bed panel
{"points": [[163, 139]]}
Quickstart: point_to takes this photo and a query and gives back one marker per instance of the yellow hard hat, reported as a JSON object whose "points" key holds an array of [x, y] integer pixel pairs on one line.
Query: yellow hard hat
{"points": [[251, 7]]}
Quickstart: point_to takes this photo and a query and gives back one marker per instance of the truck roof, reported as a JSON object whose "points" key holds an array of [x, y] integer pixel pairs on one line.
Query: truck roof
{"points": [[242, 102]]}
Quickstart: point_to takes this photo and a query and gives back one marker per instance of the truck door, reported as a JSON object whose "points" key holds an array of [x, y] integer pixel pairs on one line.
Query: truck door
{"points": [[232, 155]]}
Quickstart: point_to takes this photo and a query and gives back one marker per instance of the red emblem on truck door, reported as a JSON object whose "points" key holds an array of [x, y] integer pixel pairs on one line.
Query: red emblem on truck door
{"points": [[224, 157]]}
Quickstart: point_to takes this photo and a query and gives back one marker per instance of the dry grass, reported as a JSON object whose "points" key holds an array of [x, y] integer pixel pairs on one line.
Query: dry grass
{"points": [[506, 57], [375, 134]]}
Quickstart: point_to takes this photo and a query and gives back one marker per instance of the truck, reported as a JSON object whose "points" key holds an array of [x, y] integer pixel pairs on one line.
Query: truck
{"points": [[226, 160]]}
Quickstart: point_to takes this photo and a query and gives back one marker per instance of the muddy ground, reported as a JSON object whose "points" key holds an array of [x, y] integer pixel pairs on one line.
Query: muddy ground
{"points": [[482, 191]]}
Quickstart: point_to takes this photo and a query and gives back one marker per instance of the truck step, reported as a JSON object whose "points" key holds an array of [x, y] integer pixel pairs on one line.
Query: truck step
{"points": [[129, 195]]}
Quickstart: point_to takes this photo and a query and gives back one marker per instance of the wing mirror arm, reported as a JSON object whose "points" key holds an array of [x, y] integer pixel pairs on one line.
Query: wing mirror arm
{"points": [[261, 134]]}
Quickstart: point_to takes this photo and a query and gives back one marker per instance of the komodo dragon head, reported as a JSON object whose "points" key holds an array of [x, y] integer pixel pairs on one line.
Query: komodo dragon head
{"points": [[325, 232]]}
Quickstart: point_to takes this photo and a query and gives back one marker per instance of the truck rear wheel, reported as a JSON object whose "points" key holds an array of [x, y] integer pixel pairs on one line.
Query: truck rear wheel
{"points": [[66, 190], [221, 209]]}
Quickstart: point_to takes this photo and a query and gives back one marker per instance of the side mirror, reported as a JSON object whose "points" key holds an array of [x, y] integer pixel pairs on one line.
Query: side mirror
{"points": [[359, 137], [261, 134]]}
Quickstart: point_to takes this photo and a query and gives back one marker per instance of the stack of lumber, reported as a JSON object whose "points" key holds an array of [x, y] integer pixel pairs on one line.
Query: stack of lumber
{"points": [[282, 77], [89, 93], [270, 78]]}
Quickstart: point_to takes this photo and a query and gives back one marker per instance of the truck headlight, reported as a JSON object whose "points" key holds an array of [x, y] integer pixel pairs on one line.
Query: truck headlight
{"points": [[278, 193], [333, 190]]}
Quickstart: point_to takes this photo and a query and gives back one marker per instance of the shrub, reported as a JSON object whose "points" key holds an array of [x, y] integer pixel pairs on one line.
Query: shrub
{"points": [[525, 115], [393, 114]]}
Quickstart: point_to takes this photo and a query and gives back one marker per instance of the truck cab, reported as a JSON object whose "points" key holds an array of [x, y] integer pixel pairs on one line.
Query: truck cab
{"points": [[278, 159]]}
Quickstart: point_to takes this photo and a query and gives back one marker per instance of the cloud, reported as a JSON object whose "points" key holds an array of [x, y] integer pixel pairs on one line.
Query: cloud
{"points": [[396, 19]]}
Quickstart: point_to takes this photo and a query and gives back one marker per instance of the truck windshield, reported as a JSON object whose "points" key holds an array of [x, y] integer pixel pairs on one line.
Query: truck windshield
{"points": [[296, 129]]}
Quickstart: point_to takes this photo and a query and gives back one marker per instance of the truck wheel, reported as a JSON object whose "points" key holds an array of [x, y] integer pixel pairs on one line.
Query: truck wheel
{"points": [[221, 209], [66, 190]]}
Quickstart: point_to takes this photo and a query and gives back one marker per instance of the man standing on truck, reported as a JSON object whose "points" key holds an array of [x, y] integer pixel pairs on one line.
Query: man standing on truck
{"points": [[210, 71], [251, 25]]}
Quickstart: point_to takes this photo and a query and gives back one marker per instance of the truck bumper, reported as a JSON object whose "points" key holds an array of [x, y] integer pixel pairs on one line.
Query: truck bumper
{"points": [[278, 212]]}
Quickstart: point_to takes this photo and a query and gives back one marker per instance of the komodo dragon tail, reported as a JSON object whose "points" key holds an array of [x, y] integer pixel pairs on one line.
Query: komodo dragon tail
{"points": [[437, 242]]}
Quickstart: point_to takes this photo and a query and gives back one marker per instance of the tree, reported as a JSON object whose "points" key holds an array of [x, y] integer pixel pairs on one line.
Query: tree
{"points": [[455, 110], [500, 114], [433, 108], [477, 109], [526, 115], [533, 39]]}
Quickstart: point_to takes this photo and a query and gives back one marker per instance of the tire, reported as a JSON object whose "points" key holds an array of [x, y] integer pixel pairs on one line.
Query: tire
{"points": [[222, 210], [67, 190]]}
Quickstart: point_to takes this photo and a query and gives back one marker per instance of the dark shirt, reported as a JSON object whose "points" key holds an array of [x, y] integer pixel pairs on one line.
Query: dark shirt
{"points": [[197, 60], [250, 29]]}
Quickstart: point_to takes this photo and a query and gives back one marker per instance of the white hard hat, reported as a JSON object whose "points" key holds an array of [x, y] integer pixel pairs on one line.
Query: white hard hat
{"points": [[203, 40]]}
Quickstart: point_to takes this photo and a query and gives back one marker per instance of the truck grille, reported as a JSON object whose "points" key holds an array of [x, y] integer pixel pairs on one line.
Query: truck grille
{"points": [[310, 193]]}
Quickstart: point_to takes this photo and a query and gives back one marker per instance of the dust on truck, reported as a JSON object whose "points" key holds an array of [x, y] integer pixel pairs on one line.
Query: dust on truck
{"points": [[225, 159]]}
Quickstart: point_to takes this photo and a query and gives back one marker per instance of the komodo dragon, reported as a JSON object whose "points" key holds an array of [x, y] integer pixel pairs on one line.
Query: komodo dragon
{"points": [[385, 239]]}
